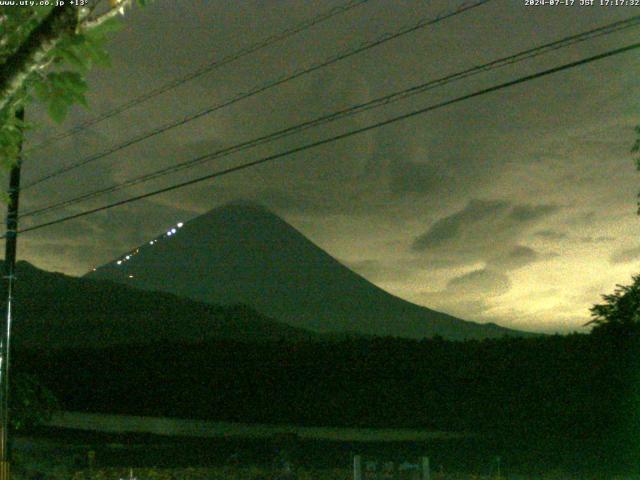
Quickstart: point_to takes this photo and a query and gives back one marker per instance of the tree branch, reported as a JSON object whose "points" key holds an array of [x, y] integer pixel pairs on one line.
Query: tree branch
{"points": [[60, 22], [100, 19]]}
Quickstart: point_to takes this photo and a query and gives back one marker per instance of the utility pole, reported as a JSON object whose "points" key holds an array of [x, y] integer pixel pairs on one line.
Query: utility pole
{"points": [[5, 335]]}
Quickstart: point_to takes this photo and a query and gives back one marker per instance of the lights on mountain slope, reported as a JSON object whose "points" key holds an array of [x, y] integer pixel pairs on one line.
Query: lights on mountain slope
{"points": [[130, 255]]}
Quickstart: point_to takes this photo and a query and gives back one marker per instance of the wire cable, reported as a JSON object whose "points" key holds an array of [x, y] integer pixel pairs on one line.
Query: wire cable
{"points": [[353, 110], [335, 138], [262, 88], [267, 42]]}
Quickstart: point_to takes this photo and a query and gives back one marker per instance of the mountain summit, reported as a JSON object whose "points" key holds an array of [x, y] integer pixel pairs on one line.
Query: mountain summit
{"points": [[243, 253]]}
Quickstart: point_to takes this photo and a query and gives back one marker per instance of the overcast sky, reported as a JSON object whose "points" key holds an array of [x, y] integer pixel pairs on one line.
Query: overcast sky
{"points": [[516, 207]]}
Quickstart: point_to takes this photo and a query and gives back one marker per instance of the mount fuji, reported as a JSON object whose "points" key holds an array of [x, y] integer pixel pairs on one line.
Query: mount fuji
{"points": [[244, 253]]}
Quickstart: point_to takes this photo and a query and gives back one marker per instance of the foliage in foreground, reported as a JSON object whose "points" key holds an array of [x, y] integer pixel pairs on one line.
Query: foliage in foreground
{"points": [[31, 403], [619, 313], [45, 54]]}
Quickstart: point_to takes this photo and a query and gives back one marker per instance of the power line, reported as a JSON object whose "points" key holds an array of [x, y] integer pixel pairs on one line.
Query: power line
{"points": [[353, 110], [262, 88], [176, 82], [342, 136]]}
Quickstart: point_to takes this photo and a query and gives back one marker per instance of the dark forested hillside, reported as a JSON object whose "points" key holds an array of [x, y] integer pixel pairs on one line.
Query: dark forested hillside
{"points": [[53, 310], [106, 347], [578, 393]]}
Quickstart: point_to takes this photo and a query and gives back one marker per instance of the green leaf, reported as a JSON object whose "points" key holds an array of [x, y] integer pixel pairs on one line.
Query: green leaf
{"points": [[94, 50], [41, 89], [57, 109], [70, 56], [71, 81], [101, 56], [101, 31], [82, 100]]}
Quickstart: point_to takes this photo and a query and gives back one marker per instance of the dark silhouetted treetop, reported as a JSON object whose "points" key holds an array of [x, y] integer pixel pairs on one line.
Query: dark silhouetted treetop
{"points": [[620, 310]]}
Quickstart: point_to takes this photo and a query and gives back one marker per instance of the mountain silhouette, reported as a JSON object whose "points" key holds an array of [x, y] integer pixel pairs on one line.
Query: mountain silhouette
{"points": [[243, 253], [53, 310]]}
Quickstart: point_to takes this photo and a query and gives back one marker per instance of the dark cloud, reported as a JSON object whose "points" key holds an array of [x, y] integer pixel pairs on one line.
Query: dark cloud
{"points": [[413, 177], [556, 235], [626, 255], [517, 257], [437, 162], [450, 228], [551, 234], [530, 213], [487, 231], [482, 282], [467, 295], [582, 218]]}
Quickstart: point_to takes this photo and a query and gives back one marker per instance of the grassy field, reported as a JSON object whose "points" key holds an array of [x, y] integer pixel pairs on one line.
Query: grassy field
{"points": [[97, 422]]}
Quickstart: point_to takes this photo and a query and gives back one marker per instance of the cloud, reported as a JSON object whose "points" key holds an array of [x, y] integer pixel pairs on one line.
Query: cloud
{"points": [[626, 255], [551, 234], [502, 147], [468, 296], [486, 231], [452, 229], [529, 213], [413, 177], [587, 218], [599, 239], [475, 309], [517, 257], [555, 235], [483, 282]]}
